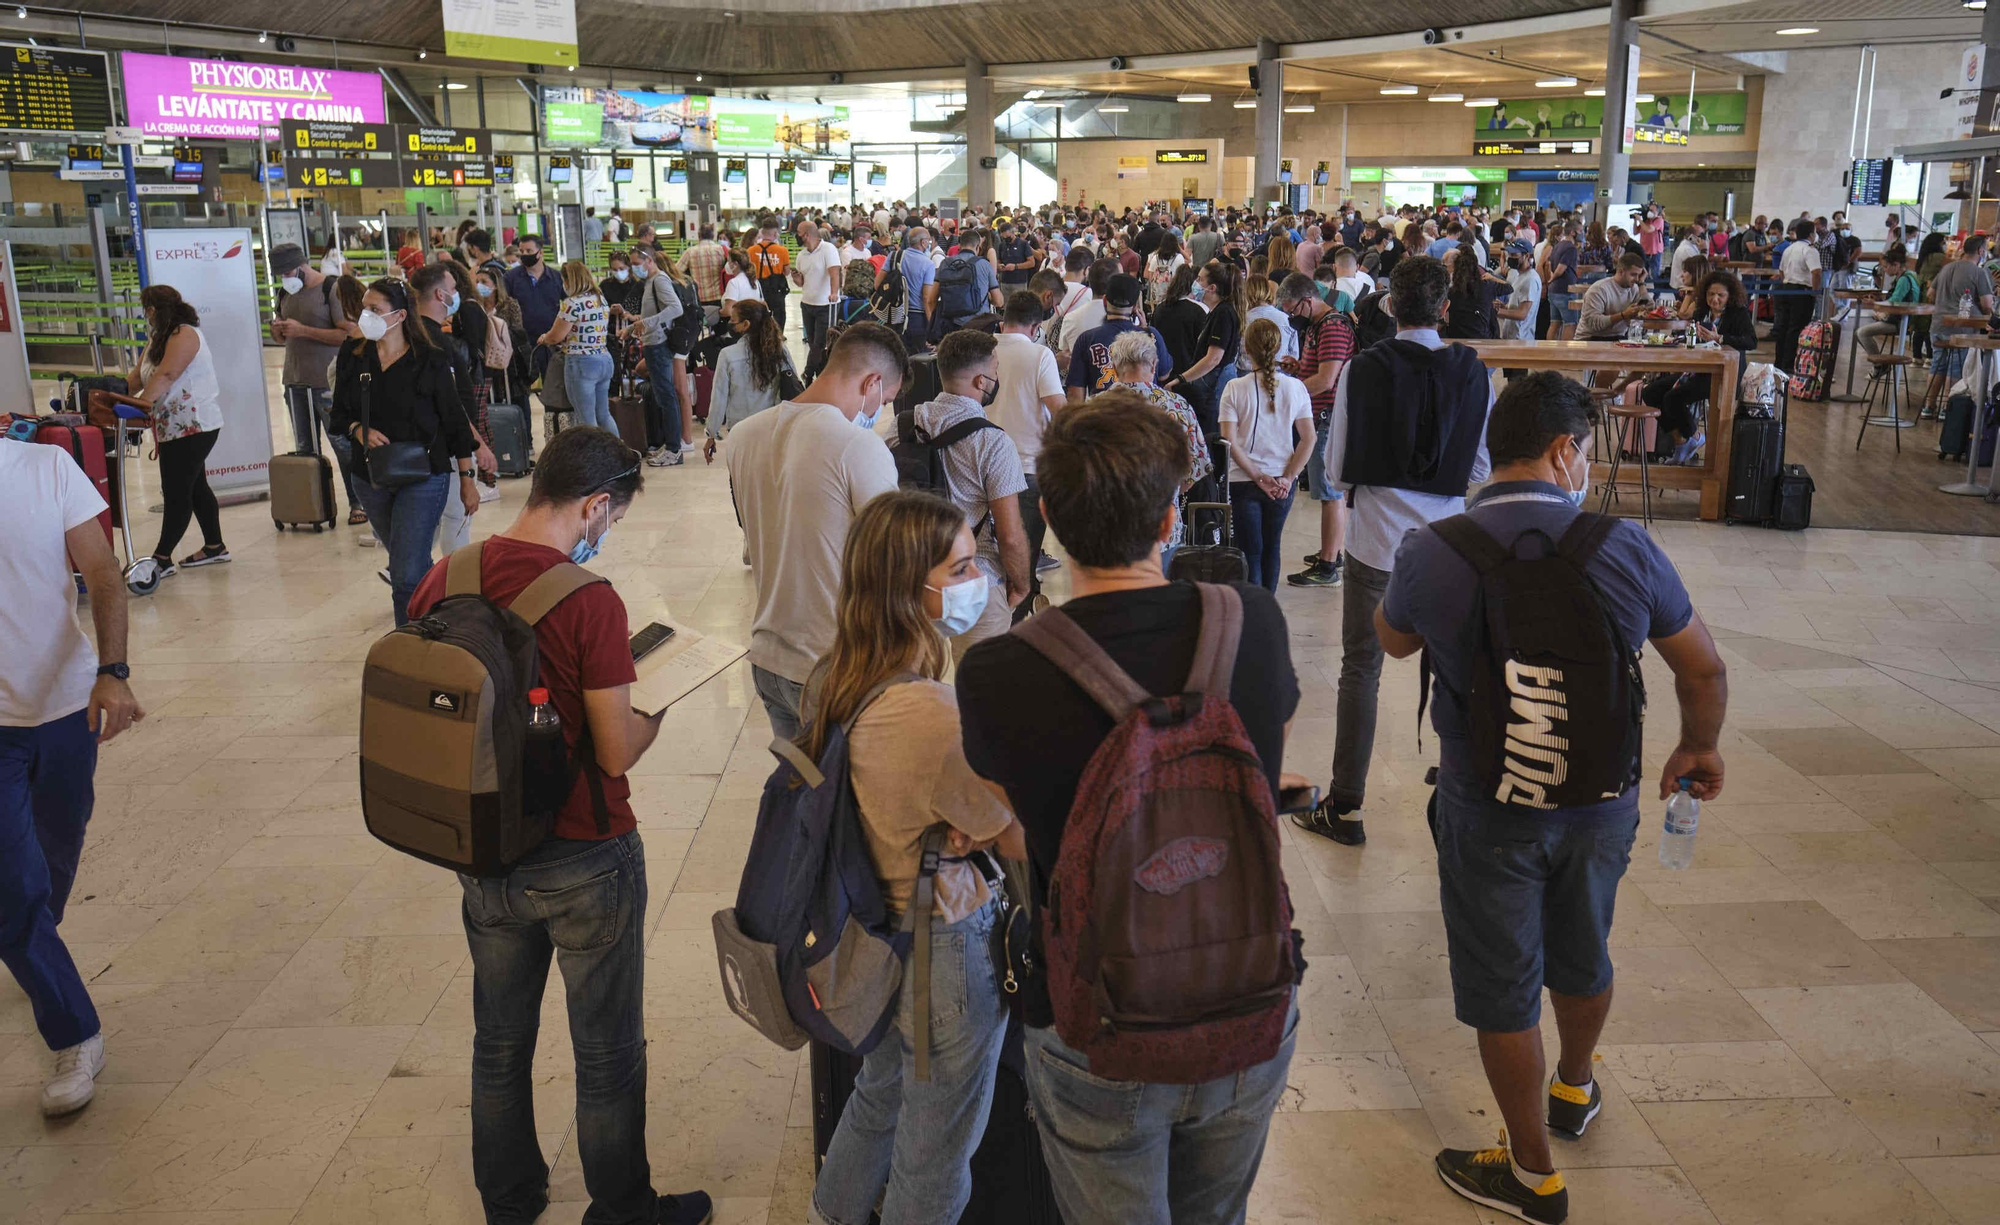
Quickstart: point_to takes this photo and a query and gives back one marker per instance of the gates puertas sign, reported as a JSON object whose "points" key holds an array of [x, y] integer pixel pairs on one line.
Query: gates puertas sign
{"points": [[172, 95]]}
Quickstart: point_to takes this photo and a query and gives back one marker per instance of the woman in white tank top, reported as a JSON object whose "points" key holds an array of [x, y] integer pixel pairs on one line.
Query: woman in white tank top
{"points": [[176, 377]]}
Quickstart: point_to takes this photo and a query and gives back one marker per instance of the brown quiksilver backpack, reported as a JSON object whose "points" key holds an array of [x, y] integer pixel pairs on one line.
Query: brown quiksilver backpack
{"points": [[1168, 930], [448, 770]]}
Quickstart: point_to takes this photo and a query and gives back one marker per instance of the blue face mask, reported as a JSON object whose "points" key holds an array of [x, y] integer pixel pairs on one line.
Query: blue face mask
{"points": [[962, 604], [586, 548], [453, 308], [1575, 496]]}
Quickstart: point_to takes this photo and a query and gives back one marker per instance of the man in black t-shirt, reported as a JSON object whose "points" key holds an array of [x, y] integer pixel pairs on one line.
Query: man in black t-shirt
{"points": [[1015, 255], [1108, 473]]}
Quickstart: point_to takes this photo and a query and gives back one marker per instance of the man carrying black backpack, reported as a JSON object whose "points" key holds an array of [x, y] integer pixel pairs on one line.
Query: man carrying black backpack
{"points": [[1533, 617], [1405, 439]]}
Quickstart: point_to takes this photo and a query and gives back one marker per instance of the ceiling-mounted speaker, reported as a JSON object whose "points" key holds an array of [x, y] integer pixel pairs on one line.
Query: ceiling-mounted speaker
{"points": [[1117, 63], [1255, 79]]}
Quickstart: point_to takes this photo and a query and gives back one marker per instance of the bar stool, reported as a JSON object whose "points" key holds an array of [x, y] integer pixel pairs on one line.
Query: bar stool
{"points": [[1626, 415], [1891, 372]]}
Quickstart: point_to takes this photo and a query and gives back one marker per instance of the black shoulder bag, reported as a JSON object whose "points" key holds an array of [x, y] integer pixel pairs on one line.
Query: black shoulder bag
{"points": [[392, 465]]}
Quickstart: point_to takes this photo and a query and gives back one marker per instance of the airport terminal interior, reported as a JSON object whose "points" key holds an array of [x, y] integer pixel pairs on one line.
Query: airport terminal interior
{"points": [[1805, 1026]]}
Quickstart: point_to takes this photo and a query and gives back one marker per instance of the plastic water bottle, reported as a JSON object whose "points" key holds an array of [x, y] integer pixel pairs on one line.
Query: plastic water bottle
{"points": [[1965, 304], [546, 754], [1677, 839]]}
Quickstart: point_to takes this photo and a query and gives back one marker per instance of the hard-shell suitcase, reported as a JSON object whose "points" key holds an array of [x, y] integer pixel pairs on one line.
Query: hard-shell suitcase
{"points": [[1955, 434], [302, 488], [628, 413], [922, 385], [1202, 562], [1756, 449], [512, 448], [85, 444]]}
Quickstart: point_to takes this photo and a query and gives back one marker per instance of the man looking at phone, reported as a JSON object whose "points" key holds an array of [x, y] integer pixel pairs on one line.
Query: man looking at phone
{"points": [[581, 895]]}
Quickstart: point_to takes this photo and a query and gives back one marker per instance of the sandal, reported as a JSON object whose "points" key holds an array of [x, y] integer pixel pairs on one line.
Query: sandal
{"points": [[357, 517]]}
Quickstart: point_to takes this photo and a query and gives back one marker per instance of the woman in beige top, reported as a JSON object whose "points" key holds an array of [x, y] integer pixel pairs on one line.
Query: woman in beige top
{"points": [[907, 558]]}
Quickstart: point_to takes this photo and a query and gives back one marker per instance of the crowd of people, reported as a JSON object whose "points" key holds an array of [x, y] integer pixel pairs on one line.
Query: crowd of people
{"points": [[1092, 376]]}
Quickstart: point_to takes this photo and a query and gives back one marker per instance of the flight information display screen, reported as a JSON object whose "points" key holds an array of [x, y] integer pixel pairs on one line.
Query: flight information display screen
{"points": [[43, 89]]}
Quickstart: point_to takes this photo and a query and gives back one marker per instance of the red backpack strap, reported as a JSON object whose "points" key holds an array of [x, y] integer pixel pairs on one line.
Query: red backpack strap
{"points": [[1221, 633], [1083, 661]]}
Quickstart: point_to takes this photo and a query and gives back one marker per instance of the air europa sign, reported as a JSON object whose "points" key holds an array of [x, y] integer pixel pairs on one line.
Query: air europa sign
{"points": [[171, 95]]}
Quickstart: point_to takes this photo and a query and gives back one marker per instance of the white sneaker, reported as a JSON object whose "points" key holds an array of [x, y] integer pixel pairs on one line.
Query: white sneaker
{"points": [[367, 540], [689, 445], [489, 493], [76, 1077], [383, 574]]}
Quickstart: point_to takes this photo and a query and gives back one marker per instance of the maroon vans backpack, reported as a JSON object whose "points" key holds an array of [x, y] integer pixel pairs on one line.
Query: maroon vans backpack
{"points": [[1167, 935]]}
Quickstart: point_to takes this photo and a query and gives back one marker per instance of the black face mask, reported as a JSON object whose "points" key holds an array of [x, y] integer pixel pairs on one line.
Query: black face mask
{"points": [[991, 394], [530, 258]]}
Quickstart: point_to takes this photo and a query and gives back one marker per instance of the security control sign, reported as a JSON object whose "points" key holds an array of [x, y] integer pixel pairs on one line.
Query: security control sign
{"points": [[1180, 157], [462, 142], [317, 137]]}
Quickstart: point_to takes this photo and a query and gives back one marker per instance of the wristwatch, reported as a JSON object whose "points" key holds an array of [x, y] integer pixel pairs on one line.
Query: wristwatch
{"points": [[117, 671]]}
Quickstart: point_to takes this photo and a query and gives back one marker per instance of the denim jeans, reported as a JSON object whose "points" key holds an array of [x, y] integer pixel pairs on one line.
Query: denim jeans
{"points": [[663, 423], [45, 801], [1260, 531], [587, 381], [916, 1137], [584, 904], [1148, 1154], [1360, 679], [309, 407], [1037, 528], [405, 520], [781, 701]]}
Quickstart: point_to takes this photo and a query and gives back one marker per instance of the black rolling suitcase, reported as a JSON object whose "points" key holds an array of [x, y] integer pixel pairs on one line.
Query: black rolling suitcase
{"points": [[833, 1074], [1202, 562]]}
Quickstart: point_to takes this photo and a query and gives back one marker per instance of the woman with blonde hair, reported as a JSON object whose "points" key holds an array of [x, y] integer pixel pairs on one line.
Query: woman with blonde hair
{"points": [[581, 327], [1266, 419], [908, 582], [1280, 256]]}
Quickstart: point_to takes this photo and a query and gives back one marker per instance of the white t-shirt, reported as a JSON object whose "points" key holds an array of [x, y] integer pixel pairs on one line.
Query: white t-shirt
{"points": [[1027, 372], [1355, 287], [1267, 435], [822, 269], [1079, 321], [49, 665], [1527, 290], [1798, 264], [739, 287]]}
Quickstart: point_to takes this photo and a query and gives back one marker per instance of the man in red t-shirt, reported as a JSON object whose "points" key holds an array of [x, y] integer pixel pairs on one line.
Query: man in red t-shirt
{"points": [[581, 895], [1324, 351]]}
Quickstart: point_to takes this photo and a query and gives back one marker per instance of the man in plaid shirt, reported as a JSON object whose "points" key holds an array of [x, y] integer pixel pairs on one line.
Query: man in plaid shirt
{"points": [[703, 264]]}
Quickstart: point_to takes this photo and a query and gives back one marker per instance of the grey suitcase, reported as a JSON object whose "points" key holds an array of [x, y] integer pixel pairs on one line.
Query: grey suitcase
{"points": [[301, 490], [511, 445]]}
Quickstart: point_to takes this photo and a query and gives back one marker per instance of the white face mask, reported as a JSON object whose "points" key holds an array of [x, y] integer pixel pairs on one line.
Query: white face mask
{"points": [[962, 603], [292, 284], [373, 326]]}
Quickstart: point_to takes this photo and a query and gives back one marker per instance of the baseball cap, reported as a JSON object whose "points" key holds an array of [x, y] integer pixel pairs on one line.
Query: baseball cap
{"points": [[1520, 246], [1123, 290], [286, 257]]}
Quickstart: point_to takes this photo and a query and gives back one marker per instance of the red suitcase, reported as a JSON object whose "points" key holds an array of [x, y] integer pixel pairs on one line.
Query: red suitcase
{"points": [[85, 443], [704, 380]]}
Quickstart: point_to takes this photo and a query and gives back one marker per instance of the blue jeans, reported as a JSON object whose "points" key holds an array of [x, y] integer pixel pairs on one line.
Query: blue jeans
{"points": [[45, 801], [916, 1137], [1146, 1154], [584, 904], [587, 381], [781, 699], [1260, 531], [405, 521], [666, 398]]}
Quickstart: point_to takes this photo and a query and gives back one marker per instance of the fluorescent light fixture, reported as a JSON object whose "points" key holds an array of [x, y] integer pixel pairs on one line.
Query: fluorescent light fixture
{"points": [[697, 78], [1111, 106], [422, 54], [1452, 96], [456, 85], [1595, 91], [1482, 101], [1799, 30], [21, 12], [1300, 108], [1196, 96], [572, 68], [1556, 83], [1032, 94], [1977, 6], [1642, 97], [1245, 104], [1403, 91]]}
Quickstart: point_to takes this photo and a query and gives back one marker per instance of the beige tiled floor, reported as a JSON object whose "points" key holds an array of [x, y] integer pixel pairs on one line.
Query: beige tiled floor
{"points": [[1807, 1027]]}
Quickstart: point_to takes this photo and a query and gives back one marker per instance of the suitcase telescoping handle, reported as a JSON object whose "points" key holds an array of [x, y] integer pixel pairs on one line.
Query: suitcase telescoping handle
{"points": [[1228, 533]]}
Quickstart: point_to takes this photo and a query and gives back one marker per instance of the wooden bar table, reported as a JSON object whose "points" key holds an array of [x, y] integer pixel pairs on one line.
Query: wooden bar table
{"points": [[1981, 347], [1863, 299], [1902, 315], [1575, 356]]}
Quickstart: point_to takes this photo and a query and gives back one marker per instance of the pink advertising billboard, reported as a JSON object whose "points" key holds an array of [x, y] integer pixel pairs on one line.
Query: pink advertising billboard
{"points": [[172, 95]]}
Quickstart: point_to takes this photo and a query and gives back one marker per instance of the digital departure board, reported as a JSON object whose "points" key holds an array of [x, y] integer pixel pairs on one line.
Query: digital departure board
{"points": [[560, 169], [1512, 147], [1868, 182], [46, 90]]}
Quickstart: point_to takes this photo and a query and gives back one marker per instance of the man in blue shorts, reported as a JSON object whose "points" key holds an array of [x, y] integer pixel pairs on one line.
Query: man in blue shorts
{"points": [[1527, 890]]}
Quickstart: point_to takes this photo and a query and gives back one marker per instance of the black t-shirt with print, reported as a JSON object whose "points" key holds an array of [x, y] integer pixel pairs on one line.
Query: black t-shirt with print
{"points": [[1222, 331]]}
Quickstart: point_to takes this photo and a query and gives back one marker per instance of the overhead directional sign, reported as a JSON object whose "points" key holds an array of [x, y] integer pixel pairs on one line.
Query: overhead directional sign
{"points": [[464, 142], [314, 136], [344, 172]]}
